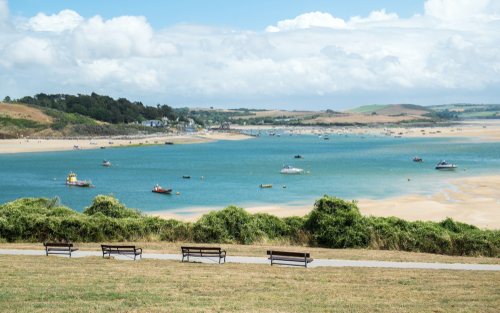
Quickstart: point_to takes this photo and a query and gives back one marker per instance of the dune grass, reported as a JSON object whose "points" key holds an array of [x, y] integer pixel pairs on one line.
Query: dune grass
{"points": [[56, 284]]}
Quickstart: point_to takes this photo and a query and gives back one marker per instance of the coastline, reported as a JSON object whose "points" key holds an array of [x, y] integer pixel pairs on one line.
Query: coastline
{"points": [[42, 145], [475, 201]]}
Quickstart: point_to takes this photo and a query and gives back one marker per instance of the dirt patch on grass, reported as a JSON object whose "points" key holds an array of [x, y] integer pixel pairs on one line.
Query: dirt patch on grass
{"points": [[24, 112]]}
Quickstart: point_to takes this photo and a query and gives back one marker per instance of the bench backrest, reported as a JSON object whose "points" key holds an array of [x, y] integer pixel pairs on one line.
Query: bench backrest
{"points": [[201, 248], [108, 247], [286, 253], [57, 244]]}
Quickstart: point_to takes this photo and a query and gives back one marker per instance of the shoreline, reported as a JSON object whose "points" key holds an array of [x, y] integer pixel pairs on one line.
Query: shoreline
{"points": [[474, 201], [26, 145]]}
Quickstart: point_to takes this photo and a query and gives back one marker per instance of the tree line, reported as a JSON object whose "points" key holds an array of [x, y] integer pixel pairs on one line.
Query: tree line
{"points": [[101, 108]]}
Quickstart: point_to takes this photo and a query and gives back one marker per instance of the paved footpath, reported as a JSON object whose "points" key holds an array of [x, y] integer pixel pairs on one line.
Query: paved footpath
{"points": [[315, 263]]}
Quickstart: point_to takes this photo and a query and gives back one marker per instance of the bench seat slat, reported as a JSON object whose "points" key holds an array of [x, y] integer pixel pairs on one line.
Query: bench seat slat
{"points": [[59, 249], [204, 255]]}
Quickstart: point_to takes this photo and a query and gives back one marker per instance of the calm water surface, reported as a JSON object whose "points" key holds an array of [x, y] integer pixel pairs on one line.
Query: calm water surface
{"points": [[349, 168]]}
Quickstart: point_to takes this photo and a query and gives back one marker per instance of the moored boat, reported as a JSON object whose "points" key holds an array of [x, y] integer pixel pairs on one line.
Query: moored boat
{"points": [[288, 169], [158, 189], [186, 176], [72, 181], [266, 186], [106, 163], [444, 166], [298, 156], [417, 159]]}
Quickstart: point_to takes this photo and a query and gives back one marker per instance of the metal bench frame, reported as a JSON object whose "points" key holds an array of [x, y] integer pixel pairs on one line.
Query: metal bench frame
{"points": [[210, 252], [66, 248], [123, 250], [286, 256]]}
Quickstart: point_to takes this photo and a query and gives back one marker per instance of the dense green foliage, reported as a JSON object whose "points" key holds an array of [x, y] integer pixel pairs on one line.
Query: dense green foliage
{"points": [[101, 108], [334, 223], [19, 122]]}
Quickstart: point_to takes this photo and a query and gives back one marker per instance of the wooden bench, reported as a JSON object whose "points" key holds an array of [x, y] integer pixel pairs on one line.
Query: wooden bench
{"points": [[289, 257], [203, 252], [124, 250], [58, 248]]}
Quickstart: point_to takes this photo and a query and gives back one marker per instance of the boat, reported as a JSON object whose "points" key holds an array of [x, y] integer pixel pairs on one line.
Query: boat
{"points": [[417, 159], [103, 147], [106, 163], [169, 143], [279, 135], [288, 169], [298, 156], [443, 166], [326, 137], [77, 147], [72, 181], [186, 176], [158, 189], [266, 186]]}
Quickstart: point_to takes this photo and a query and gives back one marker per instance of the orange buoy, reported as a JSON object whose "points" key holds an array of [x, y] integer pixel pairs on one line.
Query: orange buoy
{"points": [[54, 179], [284, 186], [201, 177], [92, 186]]}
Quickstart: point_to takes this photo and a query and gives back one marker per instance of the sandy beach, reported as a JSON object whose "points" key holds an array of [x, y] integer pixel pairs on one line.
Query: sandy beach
{"points": [[473, 201], [35, 145]]}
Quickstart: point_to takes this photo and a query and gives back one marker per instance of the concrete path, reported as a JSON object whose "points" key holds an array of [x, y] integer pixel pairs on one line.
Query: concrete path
{"points": [[315, 263]]}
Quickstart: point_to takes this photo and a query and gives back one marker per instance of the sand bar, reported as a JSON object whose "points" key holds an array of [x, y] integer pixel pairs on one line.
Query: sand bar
{"points": [[39, 145], [475, 201]]}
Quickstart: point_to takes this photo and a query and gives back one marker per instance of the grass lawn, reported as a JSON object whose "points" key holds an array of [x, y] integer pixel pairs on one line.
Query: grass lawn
{"points": [[260, 251], [40, 283]]}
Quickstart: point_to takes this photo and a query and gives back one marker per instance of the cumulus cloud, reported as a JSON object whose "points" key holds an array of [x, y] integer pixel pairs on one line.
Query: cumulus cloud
{"points": [[453, 47], [65, 20], [313, 19]]}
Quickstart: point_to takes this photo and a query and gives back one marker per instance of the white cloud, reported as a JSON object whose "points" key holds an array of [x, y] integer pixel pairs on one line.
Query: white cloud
{"points": [[4, 14], [65, 20], [452, 10], [120, 37], [375, 16], [313, 19], [443, 52]]}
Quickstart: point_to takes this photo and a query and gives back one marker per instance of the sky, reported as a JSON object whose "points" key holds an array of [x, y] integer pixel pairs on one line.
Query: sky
{"points": [[294, 55]]}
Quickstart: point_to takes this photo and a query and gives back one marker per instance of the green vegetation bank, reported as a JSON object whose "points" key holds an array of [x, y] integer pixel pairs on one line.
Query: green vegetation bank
{"points": [[333, 223]]}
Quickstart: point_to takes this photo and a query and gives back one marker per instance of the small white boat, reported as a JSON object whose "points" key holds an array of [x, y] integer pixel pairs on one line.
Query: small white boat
{"points": [[77, 147], [106, 163], [288, 169], [443, 166]]}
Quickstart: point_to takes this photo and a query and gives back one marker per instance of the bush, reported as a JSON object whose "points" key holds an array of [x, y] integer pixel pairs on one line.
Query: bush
{"points": [[333, 223]]}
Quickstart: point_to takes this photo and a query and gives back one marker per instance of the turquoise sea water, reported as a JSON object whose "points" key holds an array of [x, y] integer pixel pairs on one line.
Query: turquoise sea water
{"points": [[349, 168]]}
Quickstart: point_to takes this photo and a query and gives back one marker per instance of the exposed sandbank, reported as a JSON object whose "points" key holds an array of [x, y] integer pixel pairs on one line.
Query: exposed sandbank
{"points": [[39, 145], [476, 202]]}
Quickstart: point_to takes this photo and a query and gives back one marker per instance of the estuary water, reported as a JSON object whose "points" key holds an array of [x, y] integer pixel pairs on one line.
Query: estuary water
{"points": [[346, 167]]}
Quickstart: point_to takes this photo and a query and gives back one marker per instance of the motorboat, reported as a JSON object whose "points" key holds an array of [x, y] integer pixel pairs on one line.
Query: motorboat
{"points": [[186, 176], [288, 169], [158, 189], [298, 156], [72, 181], [77, 147], [417, 159], [326, 137], [106, 163], [266, 186], [443, 166]]}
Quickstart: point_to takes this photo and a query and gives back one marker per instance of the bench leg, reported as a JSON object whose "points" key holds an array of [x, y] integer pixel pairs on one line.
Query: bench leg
{"points": [[182, 258], [70, 253], [46, 251]]}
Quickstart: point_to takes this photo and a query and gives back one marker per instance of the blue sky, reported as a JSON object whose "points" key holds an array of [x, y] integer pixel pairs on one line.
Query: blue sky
{"points": [[254, 15], [261, 54]]}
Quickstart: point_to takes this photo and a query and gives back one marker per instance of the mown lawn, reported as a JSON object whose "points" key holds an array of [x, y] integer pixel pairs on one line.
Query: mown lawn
{"points": [[40, 283]]}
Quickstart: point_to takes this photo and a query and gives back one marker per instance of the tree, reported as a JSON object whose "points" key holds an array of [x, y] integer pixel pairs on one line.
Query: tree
{"points": [[6, 99]]}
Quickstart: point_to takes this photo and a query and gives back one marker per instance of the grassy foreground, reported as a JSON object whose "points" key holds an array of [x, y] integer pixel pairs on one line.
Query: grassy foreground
{"points": [[39, 283]]}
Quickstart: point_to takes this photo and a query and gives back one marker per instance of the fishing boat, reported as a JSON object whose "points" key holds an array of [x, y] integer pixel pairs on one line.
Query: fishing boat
{"points": [[443, 166], [72, 181], [288, 169], [298, 156], [266, 186], [158, 189], [106, 163], [186, 176], [417, 159]]}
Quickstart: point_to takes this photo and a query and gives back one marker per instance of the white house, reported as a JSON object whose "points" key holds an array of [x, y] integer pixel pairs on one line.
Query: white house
{"points": [[165, 121], [191, 122], [153, 123]]}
